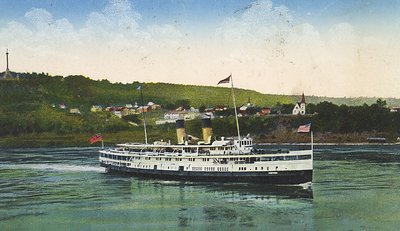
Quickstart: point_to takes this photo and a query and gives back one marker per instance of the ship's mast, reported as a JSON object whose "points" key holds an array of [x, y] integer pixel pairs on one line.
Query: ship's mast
{"points": [[227, 80], [144, 114], [234, 105]]}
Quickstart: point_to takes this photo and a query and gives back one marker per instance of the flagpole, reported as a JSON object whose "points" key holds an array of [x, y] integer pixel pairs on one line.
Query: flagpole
{"points": [[144, 116], [234, 105], [312, 142]]}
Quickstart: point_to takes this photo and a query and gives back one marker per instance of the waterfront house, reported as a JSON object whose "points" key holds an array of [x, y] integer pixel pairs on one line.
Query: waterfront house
{"points": [[153, 106], [96, 108], [74, 111]]}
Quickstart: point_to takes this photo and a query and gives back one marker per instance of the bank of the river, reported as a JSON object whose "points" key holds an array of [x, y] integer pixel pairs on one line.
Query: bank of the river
{"points": [[82, 139], [72, 140]]}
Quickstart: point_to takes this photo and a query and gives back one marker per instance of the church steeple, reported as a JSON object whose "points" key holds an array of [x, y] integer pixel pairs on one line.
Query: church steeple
{"points": [[303, 99]]}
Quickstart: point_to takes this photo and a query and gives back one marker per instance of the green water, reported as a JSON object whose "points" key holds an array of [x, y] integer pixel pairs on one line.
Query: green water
{"points": [[354, 188]]}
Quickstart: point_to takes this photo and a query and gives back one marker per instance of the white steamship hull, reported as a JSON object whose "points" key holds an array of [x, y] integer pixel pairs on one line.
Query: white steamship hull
{"points": [[280, 177], [203, 163]]}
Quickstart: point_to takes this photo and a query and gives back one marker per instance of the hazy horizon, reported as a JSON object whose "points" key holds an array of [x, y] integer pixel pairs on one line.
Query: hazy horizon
{"points": [[286, 47]]}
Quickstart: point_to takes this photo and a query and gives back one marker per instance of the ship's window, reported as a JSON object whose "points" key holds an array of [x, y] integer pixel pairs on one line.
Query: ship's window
{"points": [[290, 157], [256, 168], [262, 168], [305, 157]]}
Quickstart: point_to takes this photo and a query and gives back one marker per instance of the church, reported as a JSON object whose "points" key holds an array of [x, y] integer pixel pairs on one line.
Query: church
{"points": [[300, 107]]}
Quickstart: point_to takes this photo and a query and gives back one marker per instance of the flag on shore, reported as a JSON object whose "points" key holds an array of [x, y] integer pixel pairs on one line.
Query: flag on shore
{"points": [[226, 80], [304, 128], [139, 88], [96, 138]]}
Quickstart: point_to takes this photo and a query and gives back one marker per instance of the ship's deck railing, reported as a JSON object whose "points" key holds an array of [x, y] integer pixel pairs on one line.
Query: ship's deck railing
{"points": [[163, 153]]}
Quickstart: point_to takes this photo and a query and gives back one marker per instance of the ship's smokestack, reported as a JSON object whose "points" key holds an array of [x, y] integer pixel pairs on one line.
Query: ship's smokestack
{"points": [[180, 131], [207, 130]]}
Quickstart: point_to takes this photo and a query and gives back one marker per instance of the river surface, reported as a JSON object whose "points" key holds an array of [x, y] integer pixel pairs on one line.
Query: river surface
{"points": [[354, 188]]}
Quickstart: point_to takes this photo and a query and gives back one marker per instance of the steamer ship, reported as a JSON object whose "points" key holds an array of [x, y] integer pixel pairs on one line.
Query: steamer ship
{"points": [[234, 159]]}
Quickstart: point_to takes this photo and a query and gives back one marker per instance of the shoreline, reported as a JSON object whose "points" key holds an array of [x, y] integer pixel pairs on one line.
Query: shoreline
{"points": [[53, 140], [332, 144]]}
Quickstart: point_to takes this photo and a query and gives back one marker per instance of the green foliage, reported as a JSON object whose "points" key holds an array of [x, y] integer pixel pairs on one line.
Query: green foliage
{"points": [[132, 118], [25, 108], [344, 119], [47, 119]]}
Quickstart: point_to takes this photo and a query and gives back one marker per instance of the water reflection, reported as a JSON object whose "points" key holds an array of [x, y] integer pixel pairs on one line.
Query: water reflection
{"points": [[213, 204]]}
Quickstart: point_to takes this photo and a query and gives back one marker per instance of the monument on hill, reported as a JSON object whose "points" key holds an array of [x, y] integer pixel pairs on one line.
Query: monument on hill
{"points": [[7, 74]]}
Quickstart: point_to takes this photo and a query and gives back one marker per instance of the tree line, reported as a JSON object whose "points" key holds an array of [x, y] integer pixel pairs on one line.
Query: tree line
{"points": [[324, 116], [330, 117]]}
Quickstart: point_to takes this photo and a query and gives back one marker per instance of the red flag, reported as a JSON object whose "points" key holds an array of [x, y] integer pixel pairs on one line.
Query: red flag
{"points": [[304, 128], [226, 80], [96, 138]]}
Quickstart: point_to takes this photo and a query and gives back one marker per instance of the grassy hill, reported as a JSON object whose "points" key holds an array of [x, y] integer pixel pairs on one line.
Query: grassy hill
{"points": [[27, 115], [78, 91]]}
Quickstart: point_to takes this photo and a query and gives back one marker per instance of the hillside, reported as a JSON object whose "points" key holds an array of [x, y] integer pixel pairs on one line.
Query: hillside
{"points": [[30, 116], [78, 91]]}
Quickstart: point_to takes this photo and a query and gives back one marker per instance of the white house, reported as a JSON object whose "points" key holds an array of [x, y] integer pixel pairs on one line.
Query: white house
{"points": [[74, 111], [174, 115], [153, 106]]}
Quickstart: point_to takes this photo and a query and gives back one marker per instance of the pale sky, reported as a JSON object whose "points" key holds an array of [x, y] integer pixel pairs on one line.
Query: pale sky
{"points": [[319, 47]]}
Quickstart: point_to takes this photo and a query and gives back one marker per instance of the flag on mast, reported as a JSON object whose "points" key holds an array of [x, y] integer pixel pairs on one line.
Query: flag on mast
{"points": [[226, 80], [304, 128]]}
